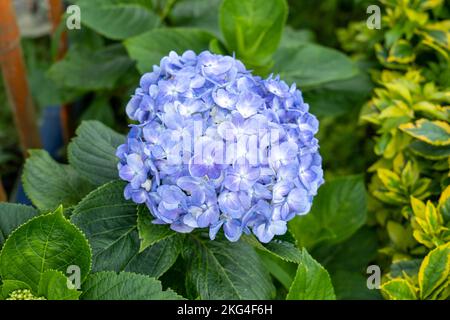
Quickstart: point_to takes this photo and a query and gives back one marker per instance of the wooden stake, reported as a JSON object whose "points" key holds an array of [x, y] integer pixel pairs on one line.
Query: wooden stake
{"points": [[56, 12], [14, 75], [3, 197]]}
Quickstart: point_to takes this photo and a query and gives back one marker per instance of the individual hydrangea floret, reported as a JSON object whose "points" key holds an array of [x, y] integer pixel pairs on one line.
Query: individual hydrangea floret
{"points": [[216, 147]]}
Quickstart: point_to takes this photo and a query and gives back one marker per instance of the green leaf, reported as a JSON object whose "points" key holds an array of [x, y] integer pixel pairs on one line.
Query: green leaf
{"points": [[436, 132], [444, 203], [401, 52], [350, 285], [253, 28], [221, 269], [347, 264], [150, 233], [217, 47], [429, 151], [339, 209], [109, 223], [294, 37], [339, 97], [312, 281], [148, 48], [282, 249], [49, 184], [45, 242], [54, 286], [97, 70], [158, 258], [390, 179], [124, 286], [197, 13], [92, 152], [409, 267], [118, 19], [281, 270], [12, 215], [100, 110], [310, 65], [8, 286], [434, 270], [399, 235], [399, 289], [354, 254]]}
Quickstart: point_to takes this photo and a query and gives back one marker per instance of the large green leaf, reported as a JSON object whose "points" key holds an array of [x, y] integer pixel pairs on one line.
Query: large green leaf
{"points": [[284, 249], [347, 264], [110, 224], [281, 270], [49, 184], [339, 209], [148, 48], [92, 152], [118, 19], [435, 271], [339, 97], [312, 281], [294, 37], [12, 215], [100, 109], [150, 233], [124, 286], [253, 28], [159, 247], [54, 286], [197, 13], [221, 269], [353, 254], [310, 65], [43, 243], [86, 70], [352, 285], [158, 258]]}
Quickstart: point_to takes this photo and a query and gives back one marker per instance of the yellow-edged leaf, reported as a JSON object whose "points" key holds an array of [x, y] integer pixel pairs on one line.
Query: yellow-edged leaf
{"points": [[444, 202], [434, 270], [433, 218], [418, 207], [433, 132], [389, 179], [399, 289]]}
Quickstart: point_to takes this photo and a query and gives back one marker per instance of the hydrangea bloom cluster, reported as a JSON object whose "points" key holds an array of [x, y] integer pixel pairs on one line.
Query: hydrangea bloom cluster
{"points": [[216, 147]]}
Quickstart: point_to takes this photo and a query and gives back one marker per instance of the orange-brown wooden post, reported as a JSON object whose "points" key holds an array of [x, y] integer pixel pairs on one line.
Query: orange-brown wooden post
{"points": [[56, 11], [3, 197], [14, 75]]}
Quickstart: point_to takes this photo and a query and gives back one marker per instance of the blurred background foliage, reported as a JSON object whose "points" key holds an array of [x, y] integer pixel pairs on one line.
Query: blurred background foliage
{"points": [[382, 97]]}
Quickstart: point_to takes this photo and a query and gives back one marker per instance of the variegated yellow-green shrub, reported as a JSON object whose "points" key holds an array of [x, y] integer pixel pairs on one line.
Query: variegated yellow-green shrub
{"points": [[410, 110], [409, 28], [431, 282]]}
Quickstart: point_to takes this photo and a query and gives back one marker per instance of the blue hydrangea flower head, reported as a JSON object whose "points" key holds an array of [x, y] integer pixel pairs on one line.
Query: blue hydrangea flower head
{"points": [[215, 147]]}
